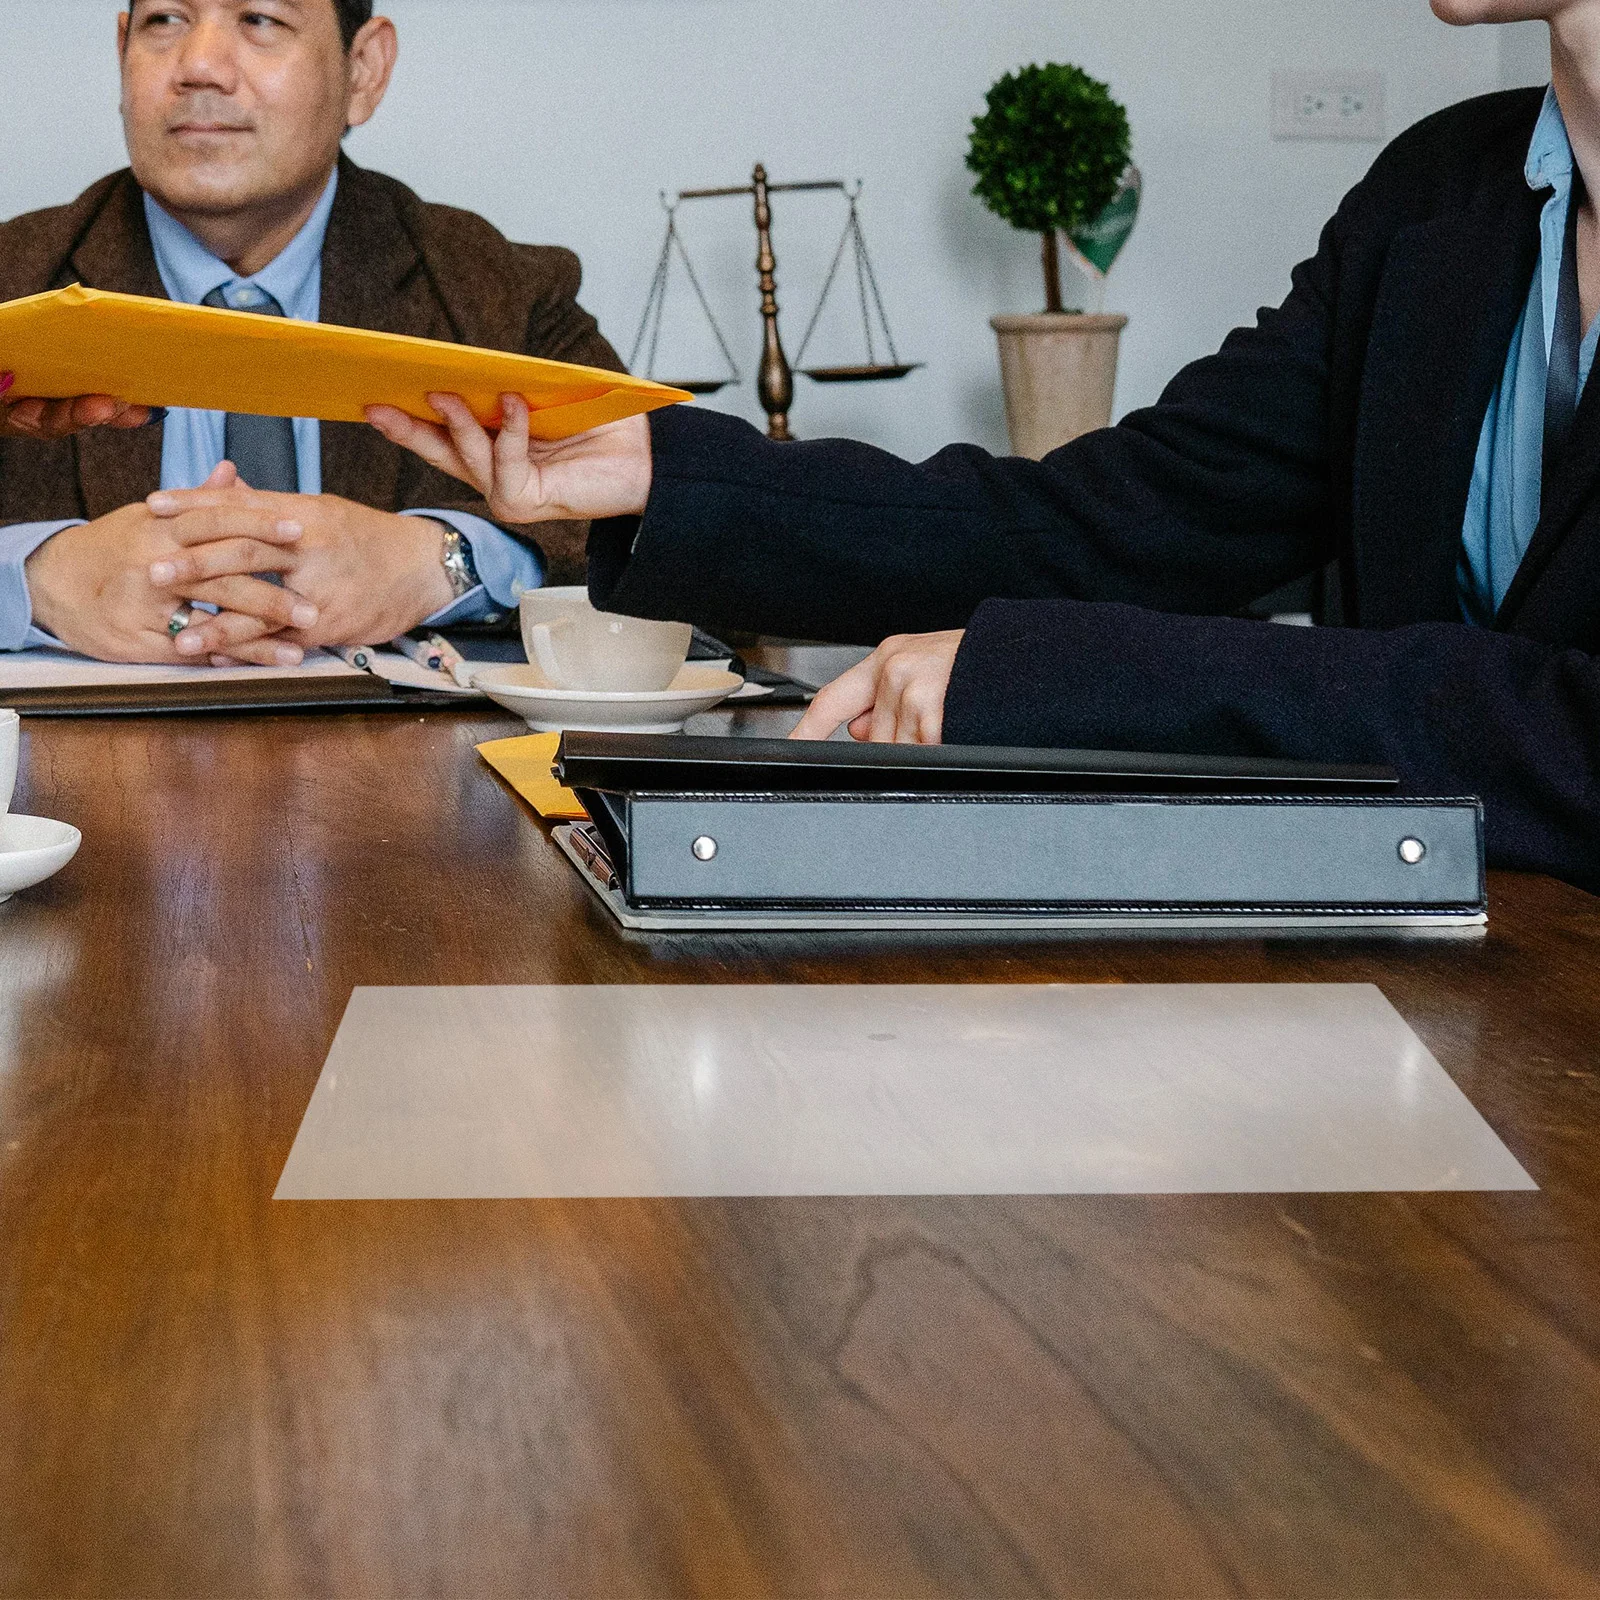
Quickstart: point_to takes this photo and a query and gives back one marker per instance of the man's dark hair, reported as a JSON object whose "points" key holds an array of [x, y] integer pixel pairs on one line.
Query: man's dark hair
{"points": [[354, 15]]}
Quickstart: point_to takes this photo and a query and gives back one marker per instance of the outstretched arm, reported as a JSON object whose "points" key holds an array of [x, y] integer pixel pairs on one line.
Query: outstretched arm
{"points": [[1202, 503]]}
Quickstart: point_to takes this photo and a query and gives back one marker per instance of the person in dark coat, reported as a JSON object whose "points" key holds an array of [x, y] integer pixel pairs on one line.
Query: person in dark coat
{"points": [[1417, 411]]}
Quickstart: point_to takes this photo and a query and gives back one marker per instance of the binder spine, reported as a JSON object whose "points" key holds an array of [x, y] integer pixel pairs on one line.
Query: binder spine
{"points": [[1032, 854]]}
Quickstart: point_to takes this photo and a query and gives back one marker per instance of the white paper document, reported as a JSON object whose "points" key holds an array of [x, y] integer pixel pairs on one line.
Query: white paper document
{"points": [[63, 669], [752, 1089]]}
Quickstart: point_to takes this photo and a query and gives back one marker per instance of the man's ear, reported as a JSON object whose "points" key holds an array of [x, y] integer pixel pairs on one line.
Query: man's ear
{"points": [[373, 53], [123, 22]]}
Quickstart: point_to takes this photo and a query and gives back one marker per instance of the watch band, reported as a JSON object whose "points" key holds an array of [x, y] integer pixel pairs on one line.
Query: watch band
{"points": [[459, 567]]}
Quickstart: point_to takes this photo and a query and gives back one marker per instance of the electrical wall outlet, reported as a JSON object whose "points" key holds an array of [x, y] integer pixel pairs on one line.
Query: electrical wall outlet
{"points": [[1323, 105]]}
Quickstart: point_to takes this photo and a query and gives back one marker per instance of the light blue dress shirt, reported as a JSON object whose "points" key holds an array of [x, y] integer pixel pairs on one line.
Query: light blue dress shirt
{"points": [[1503, 501], [192, 441]]}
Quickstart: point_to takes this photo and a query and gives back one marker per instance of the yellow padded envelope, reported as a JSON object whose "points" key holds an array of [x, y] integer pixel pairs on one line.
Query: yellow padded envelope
{"points": [[525, 764], [157, 353]]}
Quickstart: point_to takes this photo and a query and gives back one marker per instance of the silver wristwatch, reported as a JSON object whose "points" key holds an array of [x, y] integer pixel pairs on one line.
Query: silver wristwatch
{"points": [[459, 566]]}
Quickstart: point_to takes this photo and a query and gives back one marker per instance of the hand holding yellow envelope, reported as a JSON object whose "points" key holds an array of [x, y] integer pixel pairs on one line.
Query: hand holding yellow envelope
{"points": [[159, 353]]}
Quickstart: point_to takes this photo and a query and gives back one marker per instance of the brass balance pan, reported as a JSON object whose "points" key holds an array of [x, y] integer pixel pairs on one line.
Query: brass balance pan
{"points": [[861, 374], [697, 385]]}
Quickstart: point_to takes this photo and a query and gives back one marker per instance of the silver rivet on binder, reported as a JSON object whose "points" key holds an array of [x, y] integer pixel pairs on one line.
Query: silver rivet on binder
{"points": [[705, 847], [1412, 851]]}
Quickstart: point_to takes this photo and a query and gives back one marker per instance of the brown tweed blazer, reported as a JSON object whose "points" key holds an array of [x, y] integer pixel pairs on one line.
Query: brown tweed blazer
{"points": [[391, 262]]}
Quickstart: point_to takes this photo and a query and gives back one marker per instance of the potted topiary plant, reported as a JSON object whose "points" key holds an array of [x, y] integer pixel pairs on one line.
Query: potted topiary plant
{"points": [[1051, 157]]}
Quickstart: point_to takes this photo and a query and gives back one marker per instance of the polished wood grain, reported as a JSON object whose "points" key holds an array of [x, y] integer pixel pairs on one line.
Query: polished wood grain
{"points": [[203, 1391]]}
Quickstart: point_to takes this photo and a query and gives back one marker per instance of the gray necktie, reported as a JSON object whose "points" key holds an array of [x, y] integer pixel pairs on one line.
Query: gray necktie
{"points": [[262, 448]]}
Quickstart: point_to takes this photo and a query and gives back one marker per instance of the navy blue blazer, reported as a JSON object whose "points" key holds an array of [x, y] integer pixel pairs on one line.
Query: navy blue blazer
{"points": [[1097, 586]]}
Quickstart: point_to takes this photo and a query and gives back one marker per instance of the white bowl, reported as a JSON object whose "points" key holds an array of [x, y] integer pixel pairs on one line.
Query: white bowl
{"points": [[32, 849], [547, 709]]}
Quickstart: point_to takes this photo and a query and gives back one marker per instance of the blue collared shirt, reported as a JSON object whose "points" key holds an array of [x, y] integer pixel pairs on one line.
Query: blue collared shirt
{"points": [[1503, 501], [192, 441]]}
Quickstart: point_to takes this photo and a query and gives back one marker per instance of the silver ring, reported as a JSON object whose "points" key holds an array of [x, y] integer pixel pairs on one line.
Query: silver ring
{"points": [[179, 620]]}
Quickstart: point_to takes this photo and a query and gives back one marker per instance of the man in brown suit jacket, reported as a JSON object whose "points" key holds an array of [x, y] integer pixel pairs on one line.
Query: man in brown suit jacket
{"points": [[234, 114]]}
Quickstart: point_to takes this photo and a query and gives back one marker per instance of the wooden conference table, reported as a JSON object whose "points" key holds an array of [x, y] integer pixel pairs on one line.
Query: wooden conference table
{"points": [[203, 1391]]}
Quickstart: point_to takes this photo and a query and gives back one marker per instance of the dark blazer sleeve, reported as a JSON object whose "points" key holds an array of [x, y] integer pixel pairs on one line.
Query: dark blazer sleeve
{"points": [[1453, 709], [1201, 503]]}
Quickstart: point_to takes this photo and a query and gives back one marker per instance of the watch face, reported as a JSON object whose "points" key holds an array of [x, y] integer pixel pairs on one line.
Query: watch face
{"points": [[458, 563]]}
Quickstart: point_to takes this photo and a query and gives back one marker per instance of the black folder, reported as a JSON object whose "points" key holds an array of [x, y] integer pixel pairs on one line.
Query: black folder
{"points": [[743, 833]]}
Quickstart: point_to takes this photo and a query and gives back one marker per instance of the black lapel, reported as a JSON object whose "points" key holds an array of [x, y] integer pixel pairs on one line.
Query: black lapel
{"points": [[117, 467], [1451, 292]]}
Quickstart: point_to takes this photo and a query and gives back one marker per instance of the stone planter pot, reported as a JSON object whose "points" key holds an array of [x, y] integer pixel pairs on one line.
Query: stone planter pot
{"points": [[1058, 370]]}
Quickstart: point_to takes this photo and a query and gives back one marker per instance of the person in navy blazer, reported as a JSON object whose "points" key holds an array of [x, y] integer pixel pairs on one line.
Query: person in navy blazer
{"points": [[1385, 417]]}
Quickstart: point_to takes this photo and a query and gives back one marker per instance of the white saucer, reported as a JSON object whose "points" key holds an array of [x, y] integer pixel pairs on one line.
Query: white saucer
{"points": [[31, 849], [546, 709]]}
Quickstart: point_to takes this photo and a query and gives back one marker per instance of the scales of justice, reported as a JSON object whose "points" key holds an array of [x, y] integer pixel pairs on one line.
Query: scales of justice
{"points": [[775, 379]]}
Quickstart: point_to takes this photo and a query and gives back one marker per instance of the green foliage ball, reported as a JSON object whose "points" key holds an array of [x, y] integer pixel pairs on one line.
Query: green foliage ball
{"points": [[1050, 150]]}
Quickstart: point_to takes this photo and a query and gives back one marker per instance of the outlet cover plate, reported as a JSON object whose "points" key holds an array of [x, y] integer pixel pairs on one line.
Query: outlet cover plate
{"points": [[1328, 105]]}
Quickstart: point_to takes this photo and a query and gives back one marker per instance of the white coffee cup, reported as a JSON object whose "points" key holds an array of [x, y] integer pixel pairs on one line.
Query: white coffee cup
{"points": [[10, 739], [577, 647]]}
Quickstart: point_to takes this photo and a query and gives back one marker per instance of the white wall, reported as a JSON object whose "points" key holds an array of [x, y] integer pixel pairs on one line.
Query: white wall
{"points": [[1524, 55], [561, 119]]}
